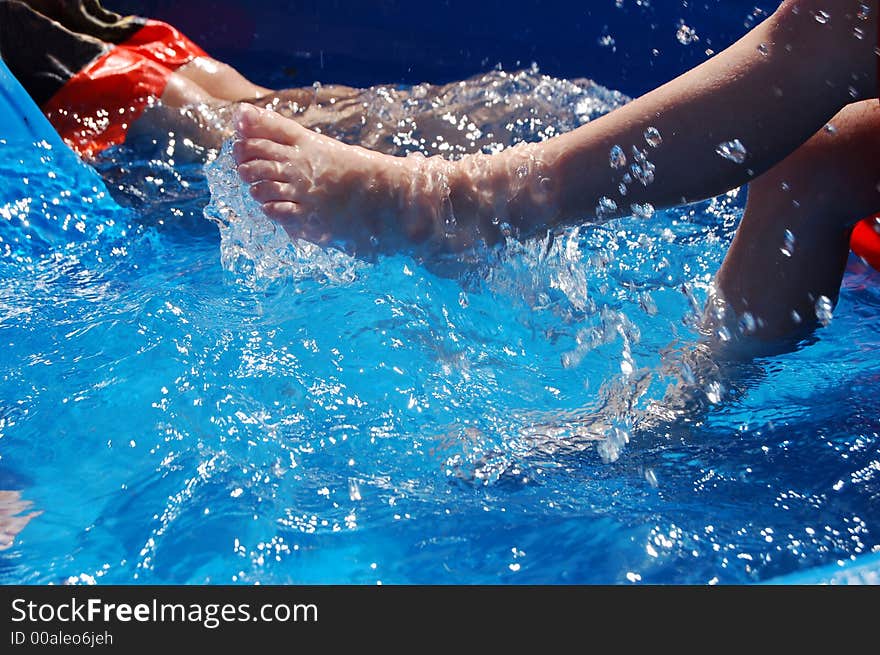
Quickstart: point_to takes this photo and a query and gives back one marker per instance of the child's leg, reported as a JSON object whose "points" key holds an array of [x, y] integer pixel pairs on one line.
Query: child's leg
{"points": [[221, 80], [817, 194], [187, 111]]}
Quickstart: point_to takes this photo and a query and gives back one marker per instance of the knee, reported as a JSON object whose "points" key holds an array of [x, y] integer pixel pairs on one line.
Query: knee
{"points": [[835, 171]]}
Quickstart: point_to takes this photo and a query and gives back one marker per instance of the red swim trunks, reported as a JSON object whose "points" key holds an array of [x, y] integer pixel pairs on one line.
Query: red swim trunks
{"points": [[865, 240], [95, 107], [92, 71]]}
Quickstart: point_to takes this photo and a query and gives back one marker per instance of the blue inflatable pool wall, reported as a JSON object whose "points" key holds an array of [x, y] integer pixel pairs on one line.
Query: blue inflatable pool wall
{"points": [[23, 122]]}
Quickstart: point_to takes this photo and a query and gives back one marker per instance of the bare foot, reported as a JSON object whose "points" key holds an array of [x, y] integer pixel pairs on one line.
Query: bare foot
{"points": [[322, 190]]}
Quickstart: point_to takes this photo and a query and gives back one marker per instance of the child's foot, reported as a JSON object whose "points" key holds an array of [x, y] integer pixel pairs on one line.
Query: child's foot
{"points": [[321, 190]]}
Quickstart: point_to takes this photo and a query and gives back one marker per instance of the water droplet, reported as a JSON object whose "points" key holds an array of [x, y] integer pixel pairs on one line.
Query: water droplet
{"points": [[824, 310], [646, 302], [796, 317], [764, 49], [687, 374], [644, 172], [787, 248], [859, 33], [627, 178], [853, 92], [723, 334], [784, 186], [651, 477], [686, 35], [830, 129], [747, 323], [864, 11], [463, 300], [652, 137], [734, 150], [606, 207], [622, 188], [754, 17], [354, 489], [642, 211], [617, 158], [606, 41], [822, 16]]}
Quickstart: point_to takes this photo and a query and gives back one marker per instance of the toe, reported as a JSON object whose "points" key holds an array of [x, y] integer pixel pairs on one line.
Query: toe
{"points": [[261, 169], [298, 220], [253, 122], [271, 191], [243, 116], [288, 214], [246, 150]]}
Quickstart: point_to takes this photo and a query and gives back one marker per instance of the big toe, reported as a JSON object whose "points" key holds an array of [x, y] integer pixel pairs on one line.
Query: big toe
{"points": [[255, 123]]}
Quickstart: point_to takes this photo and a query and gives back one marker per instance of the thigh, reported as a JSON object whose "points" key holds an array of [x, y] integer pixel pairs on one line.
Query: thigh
{"points": [[840, 165], [221, 80]]}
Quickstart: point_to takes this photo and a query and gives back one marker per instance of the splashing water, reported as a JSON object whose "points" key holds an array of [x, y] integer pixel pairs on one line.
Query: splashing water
{"points": [[686, 35], [257, 250], [188, 407], [734, 151], [824, 310], [606, 207], [788, 243], [486, 113], [653, 137], [645, 210]]}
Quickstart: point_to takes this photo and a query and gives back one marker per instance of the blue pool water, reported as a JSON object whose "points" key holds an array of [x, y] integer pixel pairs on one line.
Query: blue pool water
{"points": [[184, 401]]}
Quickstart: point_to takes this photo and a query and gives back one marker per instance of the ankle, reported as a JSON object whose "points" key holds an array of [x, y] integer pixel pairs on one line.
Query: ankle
{"points": [[423, 202], [503, 194], [484, 192], [457, 204]]}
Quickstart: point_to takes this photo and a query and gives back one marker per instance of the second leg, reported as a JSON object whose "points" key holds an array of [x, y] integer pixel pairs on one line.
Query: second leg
{"points": [[792, 245]]}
